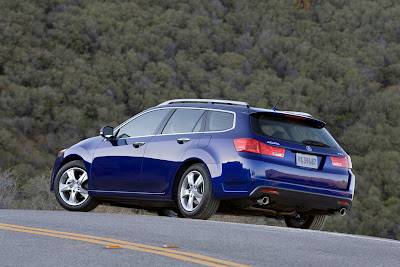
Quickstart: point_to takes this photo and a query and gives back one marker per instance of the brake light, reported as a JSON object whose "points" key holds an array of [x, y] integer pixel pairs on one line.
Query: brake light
{"points": [[294, 117], [272, 150], [344, 162], [247, 145], [344, 202], [254, 146]]}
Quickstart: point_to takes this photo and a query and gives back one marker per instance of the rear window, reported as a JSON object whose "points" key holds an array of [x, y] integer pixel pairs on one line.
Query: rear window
{"points": [[293, 130]]}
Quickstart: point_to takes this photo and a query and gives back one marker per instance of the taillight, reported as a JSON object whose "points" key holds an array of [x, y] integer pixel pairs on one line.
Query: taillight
{"points": [[272, 150], [254, 146], [342, 162], [247, 145]]}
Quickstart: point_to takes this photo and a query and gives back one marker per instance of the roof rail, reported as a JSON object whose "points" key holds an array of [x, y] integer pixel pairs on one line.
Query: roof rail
{"points": [[210, 101]]}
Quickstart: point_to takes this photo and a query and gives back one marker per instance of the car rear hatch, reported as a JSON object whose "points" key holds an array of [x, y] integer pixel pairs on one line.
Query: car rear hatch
{"points": [[305, 153]]}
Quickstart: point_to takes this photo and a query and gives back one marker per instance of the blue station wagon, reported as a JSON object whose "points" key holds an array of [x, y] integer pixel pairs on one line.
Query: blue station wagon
{"points": [[196, 157]]}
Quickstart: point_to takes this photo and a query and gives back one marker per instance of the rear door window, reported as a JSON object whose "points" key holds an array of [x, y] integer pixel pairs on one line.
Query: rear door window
{"points": [[184, 121], [292, 130], [220, 121]]}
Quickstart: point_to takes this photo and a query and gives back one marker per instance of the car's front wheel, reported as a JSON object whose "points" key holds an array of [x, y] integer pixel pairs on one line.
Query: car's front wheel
{"points": [[71, 187], [315, 222], [195, 198]]}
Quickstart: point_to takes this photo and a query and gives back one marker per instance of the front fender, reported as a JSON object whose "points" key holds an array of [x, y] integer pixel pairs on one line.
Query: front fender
{"points": [[83, 150]]}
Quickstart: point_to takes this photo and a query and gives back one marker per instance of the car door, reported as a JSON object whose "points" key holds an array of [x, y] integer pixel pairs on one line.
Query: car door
{"points": [[117, 163], [165, 150]]}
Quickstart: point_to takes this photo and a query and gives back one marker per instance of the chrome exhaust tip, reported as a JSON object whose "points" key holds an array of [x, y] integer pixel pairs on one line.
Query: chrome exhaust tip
{"points": [[263, 201], [343, 212]]}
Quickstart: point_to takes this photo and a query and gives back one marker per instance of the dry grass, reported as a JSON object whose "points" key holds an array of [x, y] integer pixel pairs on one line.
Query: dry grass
{"points": [[8, 188], [119, 210], [258, 220]]}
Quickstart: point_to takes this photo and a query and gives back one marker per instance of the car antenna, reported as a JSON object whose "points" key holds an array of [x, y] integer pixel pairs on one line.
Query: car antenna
{"points": [[274, 108]]}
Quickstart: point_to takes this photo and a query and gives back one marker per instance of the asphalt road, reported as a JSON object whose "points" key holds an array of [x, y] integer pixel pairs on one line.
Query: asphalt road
{"points": [[140, 239]]}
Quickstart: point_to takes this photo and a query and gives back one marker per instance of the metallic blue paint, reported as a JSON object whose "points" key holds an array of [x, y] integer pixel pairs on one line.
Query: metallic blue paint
{"points": [[118, 170], [117, 165]]}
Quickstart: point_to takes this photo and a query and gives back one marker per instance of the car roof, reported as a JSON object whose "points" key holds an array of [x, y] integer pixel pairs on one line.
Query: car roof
{"points": [[236, 106]]}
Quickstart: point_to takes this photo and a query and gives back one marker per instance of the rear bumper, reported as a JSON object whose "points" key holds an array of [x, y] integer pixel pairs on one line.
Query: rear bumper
{"points": [[302, 200], [246, 180]]}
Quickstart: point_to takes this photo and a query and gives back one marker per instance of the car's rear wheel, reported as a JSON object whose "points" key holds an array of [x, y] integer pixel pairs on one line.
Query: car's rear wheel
{"points": [[71, 187], [315, 222], [195, 198]]}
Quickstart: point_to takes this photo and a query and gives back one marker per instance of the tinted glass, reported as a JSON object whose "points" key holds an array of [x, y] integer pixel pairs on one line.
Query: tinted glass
{"points": [[145, 124], [220, 121], [183, 121], [199, 124], [294, 130]]}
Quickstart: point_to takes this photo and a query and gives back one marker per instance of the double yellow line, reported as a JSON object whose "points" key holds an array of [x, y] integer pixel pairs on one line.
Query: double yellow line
{"points": [[180, 255]]}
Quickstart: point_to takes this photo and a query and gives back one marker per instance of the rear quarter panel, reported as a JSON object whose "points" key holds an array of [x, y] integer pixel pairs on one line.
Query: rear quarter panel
{"points": [[222, 160]]}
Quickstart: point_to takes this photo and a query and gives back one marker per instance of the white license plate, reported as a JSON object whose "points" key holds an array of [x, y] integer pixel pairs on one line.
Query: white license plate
{"points": [[308, 161]]}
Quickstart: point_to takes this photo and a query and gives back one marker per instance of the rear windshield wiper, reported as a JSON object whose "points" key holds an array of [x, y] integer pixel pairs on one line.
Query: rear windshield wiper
{"points": [[315, 143]]}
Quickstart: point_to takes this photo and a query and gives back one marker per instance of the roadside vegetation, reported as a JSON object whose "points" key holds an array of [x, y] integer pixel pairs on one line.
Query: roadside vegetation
{"points": [[69, 67]]}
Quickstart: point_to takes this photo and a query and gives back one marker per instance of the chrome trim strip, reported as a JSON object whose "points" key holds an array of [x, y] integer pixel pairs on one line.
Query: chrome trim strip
{"points": [[228, 191], [212, 109], [227, 111], [126, 192]]}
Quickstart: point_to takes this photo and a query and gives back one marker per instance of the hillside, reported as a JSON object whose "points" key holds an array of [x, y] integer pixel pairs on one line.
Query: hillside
{"points": [[69, 67]]}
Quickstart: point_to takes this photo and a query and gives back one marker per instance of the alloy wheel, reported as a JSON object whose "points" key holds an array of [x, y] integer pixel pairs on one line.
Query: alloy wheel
{"points": [[73, 186], [192, 189]]}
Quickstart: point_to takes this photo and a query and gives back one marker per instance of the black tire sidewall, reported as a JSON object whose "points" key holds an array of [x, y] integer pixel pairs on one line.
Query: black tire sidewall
{"points": [[309, 222], [207, 194], [90, 202], [291, 222]]}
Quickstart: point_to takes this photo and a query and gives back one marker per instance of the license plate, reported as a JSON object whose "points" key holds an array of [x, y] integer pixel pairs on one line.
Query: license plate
{"points": [[308, 161]]}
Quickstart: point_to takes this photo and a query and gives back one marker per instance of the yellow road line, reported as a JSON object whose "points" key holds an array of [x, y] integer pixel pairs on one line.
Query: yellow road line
{"points": [[122, 246], [139, 247]]}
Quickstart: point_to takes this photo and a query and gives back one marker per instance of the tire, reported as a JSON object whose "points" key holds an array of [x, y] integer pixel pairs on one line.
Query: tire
{"points": [[315, 222], [195, 198], [71, 187]]}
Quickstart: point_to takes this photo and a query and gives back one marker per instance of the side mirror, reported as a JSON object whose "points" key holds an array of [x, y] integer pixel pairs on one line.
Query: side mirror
{"points": [[107, 132]]}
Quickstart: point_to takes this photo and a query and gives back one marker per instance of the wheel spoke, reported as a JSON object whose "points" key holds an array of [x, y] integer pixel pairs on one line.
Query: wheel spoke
{"points": [[190, 178], [198, 196], [72, 197], [64, 187], [71, 175], [190, 203], [84, 193], [83, 178], [83, 190], [199, 182], [184, 193]]}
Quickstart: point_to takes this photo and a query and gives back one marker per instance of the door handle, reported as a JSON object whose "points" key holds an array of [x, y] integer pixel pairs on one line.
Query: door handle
{"points": [[183, 140], [138, 144]]}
